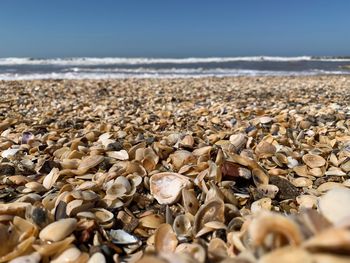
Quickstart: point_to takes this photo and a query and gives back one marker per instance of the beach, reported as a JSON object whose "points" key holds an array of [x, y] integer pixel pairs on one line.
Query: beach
{"points": [[193, 169]]}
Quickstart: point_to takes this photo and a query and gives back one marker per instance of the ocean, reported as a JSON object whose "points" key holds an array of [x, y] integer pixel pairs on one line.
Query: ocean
{"points": [[109, 68]]}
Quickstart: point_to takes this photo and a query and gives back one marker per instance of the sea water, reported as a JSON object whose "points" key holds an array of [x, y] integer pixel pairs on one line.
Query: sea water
{"points": [[112, 67]]}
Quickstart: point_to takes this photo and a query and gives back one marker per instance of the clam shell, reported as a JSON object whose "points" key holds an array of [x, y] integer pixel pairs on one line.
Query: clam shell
{"points": [[51, 178], [59, 230], [265, 149], [88, 163], [69, 255], [151, 221], [314, 161], [166, 187], [211, 211], [238, 140], [190, 201], [119, 155], [165, 239], [49, 249], [181, 157], [196, 251], [122, 237], [183, 225]]}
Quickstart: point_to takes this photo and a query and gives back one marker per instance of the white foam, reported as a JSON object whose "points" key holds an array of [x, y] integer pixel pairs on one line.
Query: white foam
{"points": [[171, 73], [147, 61]]}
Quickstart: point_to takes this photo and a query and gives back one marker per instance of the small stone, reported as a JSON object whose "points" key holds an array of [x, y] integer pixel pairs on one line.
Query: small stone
{"points": [[286, 189]]}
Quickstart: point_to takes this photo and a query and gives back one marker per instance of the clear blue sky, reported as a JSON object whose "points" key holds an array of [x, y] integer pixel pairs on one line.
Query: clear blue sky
{"points": [[179, 28]]}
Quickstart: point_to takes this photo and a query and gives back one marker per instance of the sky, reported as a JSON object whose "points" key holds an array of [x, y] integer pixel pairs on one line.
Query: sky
{"points": [[179, 28]]}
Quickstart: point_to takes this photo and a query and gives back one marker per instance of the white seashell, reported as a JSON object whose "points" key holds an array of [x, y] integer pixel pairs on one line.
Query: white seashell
{"points": [[166, 187], [119, 155], [9, 152], [51, 178], [122, 237]]}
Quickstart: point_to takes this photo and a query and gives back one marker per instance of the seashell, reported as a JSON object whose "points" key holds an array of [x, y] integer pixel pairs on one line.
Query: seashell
{"points": [[183, 225], [330, 239], [70, 163], [267, 222], [306, 201], [122, 237], [302, 182], [202, 151], [49, 249], [51, 178], [217, 250], [265, 119], [292, 162], [9, 153], [119, 155], [333, 205], [265, 149], [211, 211], [165, 239], [317, 172], [102, 215], [166, 187], [76, 206], [238, 140], [19, 250], [261, 204], [268, 190], [187, 141], [314, 161], [69, 255], [196, 251], [231, 170], [150, 159], [288, 254], [58, 230], [181, 157], [335, 171], [97, 257], [260, 177], [301, 170], [151, 221], [190, 201], [345, 166], [88, 163], [329, 186], [326, 258], [32, 258], [18, 208]]}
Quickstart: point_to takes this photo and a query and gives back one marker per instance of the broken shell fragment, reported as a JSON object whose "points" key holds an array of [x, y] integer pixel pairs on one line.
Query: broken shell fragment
{"points": [[166, 187]]}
